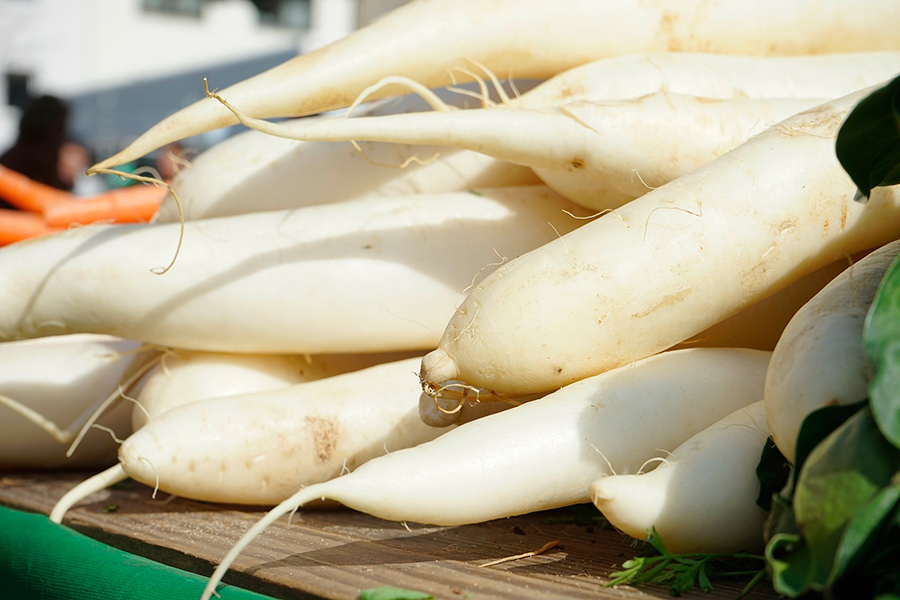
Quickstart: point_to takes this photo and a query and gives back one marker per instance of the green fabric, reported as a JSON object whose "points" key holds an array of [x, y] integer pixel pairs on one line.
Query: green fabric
{"points": [[40, 560]]}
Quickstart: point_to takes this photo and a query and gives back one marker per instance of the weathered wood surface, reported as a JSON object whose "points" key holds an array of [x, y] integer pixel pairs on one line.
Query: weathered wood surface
{"points": [[333, 554]]}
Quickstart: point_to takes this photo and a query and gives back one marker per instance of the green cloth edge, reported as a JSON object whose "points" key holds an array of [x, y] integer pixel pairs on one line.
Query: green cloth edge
{"points": [[41, 560]]}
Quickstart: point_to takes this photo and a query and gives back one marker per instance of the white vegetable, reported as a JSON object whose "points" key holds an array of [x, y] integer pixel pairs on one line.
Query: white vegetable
{"points": [[185, 376], [375, 275], [667, 265], [702, 496], [709, 75], [251, 172], [437, 41], [819, 359], [598, 154], [58, 383], [545, 453], [259, 448]]}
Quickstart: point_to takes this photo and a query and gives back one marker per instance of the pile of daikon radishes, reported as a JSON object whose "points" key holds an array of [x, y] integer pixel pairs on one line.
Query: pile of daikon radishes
{"points": [[552, 253]]}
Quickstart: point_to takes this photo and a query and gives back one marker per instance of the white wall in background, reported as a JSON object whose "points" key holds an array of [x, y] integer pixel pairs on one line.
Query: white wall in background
{"points": [[68, 47]]}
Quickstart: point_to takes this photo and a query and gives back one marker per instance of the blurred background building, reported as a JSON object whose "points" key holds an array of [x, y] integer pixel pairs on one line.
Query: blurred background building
{"points": [[122, 65]]}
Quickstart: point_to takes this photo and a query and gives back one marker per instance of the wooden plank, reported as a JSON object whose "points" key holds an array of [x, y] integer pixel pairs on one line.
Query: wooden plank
{"points": [[334, 553]]}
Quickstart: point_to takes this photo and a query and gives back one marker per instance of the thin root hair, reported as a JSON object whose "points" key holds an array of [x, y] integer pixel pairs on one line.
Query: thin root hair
{"points": [[636, 173], [512, 86], [412, 159], [136, 402], [655, 459], [109, 400], [755, 427], [159, 183], [149, 172], [484, 97], [412, 85], [110, 431], [603, 456], [466, 328], [697, 214], [502, 258], [560, 236], [498, 86], [59, 434], [155, 475], [593, 216]]}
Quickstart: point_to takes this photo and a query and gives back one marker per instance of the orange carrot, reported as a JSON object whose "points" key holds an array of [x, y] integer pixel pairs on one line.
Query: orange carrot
{"points": [[17, 225], [133, 204], [26, 194]]}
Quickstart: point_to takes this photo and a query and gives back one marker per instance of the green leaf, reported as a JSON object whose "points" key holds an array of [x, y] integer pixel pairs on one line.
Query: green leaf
{"points": [[393, 593], [837, 479], [868, 143], [818, 425], [790, 563], [881, 343], [681, 572], [780, 519], [773, 473], [866, 527]]}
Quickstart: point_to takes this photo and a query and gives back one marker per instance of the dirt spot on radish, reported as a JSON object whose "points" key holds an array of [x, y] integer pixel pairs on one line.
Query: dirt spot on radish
{"points": [[577, 164], [667, 28], [821, 121], [667, 300], [325, 433]]}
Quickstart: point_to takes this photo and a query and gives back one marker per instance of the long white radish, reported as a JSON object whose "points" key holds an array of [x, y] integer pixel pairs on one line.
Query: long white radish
{"points": [[48, 388], [666, 265], [185, 376], [545, 453], [252, 172], [702, 496], [711, 75], [819, 359], [375, 275], [260, 448], [432, 41], [598, 154]]}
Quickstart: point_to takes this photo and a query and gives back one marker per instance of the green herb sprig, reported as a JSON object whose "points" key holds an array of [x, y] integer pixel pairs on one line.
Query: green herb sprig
{"points": [[683, 572]]}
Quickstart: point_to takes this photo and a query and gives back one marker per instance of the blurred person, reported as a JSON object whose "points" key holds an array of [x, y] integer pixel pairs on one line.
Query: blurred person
{"points": [[74, 159], [36, 151]]}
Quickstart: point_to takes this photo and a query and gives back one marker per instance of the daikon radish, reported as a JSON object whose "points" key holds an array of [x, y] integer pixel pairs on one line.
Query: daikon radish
{"points": [[375, 275], [259, 448], [665, 266], [187, 376], [702, 496], [710, 75], [58, 382], [819, 359], [545, 453], [437, 41], [252, 172], [598, 154]]}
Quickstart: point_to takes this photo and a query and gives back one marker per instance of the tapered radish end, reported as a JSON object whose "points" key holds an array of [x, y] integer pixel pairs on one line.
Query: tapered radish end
{"points": [[631, 503], [438, 369], [201, 116], [139, 455], [100, 481]]}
